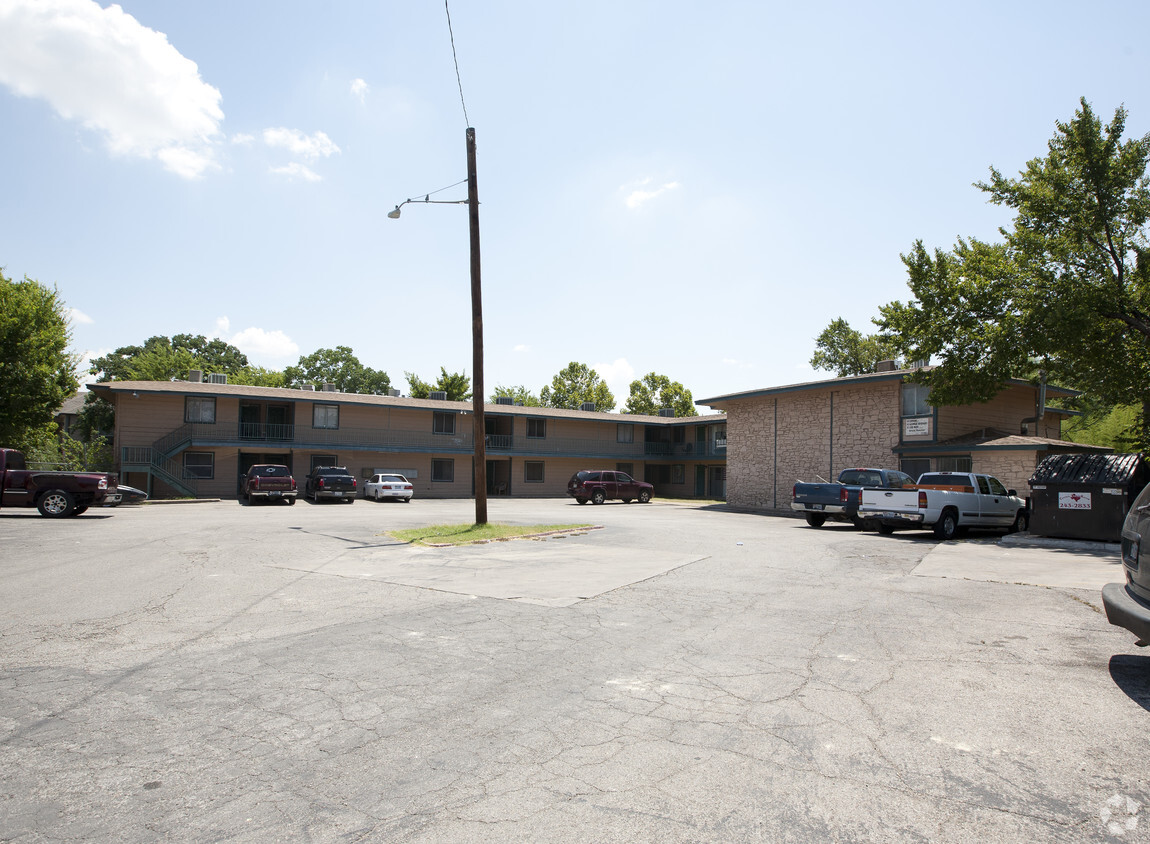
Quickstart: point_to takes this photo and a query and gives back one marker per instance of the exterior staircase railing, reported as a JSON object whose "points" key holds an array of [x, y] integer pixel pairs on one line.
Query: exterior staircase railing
{"points": [[159, 465]]}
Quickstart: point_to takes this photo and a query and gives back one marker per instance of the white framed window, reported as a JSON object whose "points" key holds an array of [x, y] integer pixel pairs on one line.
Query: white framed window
{"points": [[200, 409], [199, 464], [625, 432], [443, 423], [536, 429], [325, 416], [916, 399], [533, 471]]}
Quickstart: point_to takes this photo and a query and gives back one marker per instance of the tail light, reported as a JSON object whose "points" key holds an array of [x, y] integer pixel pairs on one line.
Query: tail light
{"points": [[843, 495], [256, 482], [860, 498], [102, 483], [922, 499], [793, 490], [354, 483], [293, 483], [319, 483]]}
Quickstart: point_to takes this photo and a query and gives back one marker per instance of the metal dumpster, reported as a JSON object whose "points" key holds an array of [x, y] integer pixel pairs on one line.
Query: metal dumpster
{"points": [[1085, 496]]}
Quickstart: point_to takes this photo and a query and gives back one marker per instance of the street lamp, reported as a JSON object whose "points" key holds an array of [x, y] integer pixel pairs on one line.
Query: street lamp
{"points": [[478, 423]]}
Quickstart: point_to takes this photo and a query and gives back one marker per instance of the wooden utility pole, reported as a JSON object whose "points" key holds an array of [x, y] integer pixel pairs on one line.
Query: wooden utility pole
{"points": [[477, 400]]}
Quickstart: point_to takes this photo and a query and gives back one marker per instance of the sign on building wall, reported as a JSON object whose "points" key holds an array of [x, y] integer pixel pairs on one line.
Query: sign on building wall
{"points": [[1074, 501], [916, 427]]}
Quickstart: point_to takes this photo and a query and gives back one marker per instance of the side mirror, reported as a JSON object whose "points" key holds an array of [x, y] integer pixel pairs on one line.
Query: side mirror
{"points": [[1012, 492]]}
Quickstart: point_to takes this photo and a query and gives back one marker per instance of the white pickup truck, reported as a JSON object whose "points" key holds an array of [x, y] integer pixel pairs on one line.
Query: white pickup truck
{"points": [[945, 502]]}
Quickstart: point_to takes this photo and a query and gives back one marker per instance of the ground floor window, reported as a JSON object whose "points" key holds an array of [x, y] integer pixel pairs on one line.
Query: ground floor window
{"points": [[954, 463], [199, 464], [678, 474], [443, 470], [658, 474], [629, 468], [318, 460], [533, 471], [915, 466]]}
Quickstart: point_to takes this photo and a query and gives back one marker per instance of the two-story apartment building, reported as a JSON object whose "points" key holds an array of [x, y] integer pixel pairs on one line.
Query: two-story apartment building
{"points": [[780, 435], [197, 438]]}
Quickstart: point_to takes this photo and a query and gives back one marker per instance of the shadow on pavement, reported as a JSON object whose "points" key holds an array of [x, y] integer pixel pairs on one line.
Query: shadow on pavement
{"points": [[1131, 673]]}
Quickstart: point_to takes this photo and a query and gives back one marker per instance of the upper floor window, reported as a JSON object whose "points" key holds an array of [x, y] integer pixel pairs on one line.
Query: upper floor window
{"points": [[537, 428], [625, 432], [197, 409], [325, 416], [443, 423], [915, 399]]}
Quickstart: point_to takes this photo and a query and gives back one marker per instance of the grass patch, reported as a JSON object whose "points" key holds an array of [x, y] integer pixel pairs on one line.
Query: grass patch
{"points": [[465, 534]]}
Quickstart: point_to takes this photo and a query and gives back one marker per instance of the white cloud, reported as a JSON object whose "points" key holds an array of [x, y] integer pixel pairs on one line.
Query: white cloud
{"points": [[640, 194], [243, 139], [522, 347], [296, 142], [78, 317], [105, 70], [360, 89], [258, 343], [296, 169], [618, 376]]}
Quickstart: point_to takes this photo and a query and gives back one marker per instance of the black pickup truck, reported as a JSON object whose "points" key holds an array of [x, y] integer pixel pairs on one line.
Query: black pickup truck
{"points": [[840, 501], [54, 494], [330, 482]]}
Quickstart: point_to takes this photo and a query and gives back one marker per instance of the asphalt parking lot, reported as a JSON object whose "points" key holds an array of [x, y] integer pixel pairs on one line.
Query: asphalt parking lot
{"points": [[212, 672]]}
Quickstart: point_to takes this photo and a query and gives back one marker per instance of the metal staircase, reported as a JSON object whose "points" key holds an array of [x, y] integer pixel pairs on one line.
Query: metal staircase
{"points": [[159, 460]]}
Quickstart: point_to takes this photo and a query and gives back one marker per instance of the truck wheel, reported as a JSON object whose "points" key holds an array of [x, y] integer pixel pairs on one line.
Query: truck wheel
{"points": [[79, 510], [816, 520], [885, 530], [947, 525], [56, 503], [644, 496], [290, 501], [858, 523], [1021, 523], [598, 497]]}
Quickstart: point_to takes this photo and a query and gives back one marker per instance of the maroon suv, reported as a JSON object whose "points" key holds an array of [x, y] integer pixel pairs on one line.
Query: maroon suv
{"points": [[597, 486]]}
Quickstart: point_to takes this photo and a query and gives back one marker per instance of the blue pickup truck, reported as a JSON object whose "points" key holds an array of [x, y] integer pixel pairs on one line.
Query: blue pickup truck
{"points": [[840, 501]]}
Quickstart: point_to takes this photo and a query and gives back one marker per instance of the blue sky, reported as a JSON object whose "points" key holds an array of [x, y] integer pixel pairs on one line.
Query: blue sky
{"points": [[692, 189]]}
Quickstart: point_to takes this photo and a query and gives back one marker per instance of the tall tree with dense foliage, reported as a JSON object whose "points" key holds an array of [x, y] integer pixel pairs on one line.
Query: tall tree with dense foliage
{"points": [[338, 366], [456, 385], [847, 351], [1067, 291], [170, 359], [575, 384], [37, 372], [653, 392]]}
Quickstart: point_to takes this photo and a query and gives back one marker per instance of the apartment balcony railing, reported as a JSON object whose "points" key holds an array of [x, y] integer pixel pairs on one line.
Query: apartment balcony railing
{"points": [[384, 439]]}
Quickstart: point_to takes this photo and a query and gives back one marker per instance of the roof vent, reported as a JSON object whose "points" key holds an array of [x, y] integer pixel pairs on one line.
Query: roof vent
{"points": [[307, 386], [504, 400], [195, 375], [218, 378], [437, 395], [666, 411], [394, 393], [329, 388], [885, 366], [519, 404], [588, 406]]}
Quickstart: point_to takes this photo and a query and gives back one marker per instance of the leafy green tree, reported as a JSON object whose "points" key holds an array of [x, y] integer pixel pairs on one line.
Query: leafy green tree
{"points": [[849, 352], [338, 366], [257, 376], [575, 384], [1069, 289], [170, 359], [96, 418], [518, 394], [456, 385], [654, 392], [37, 372]]}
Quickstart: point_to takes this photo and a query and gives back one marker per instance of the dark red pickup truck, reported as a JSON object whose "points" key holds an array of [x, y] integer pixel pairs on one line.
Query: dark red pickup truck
{"points": [[55, 494]]}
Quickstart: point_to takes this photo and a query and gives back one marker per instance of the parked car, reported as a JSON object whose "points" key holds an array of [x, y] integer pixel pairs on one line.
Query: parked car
{"points": [[330, 482], [599, 485], [395, 487], [131, 495], [840, 501], [945, 502], [269, 482], [54, 494], [1128, 604]]}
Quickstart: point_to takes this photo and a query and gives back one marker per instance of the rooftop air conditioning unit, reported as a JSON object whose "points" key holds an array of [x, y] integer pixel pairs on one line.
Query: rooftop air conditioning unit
{"points": [[330, 388], [504, 400], [307, 386], [218, 378], [437, 395], [588, 406], [393, 393], [195, 375], [666, 411], [885, 366]]}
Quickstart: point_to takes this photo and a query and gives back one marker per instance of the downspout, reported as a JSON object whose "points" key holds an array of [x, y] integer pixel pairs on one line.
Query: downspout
{"points": [[775, 459], [831, 439], [1041, 409]]}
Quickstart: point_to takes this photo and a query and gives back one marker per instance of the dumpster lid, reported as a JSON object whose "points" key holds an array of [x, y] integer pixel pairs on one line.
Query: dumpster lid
{"points": [[1087, 469]]}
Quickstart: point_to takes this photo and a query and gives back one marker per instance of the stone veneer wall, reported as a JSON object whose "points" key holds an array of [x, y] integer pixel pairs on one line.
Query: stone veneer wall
{"points": [[865, 429], [1013, 468]]}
